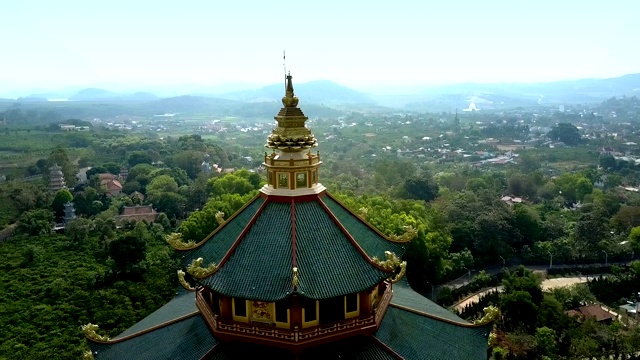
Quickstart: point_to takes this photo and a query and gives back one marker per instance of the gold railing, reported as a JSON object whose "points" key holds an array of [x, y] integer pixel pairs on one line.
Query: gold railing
{"points": [[294, 336], [383, 304], [313, 159]]}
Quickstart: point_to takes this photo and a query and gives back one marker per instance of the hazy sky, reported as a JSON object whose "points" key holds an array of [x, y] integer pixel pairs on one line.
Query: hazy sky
{"points": [[52, 44]]}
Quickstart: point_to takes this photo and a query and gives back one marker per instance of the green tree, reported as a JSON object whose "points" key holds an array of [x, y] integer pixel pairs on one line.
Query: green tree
{"points": [[89, 202], [634, 238], [607, 162], [626, 218], [421, 188], [551, 313], [179, 175], [189, 161], [170, 203], [36, 222], [528, 163], [202, 223], [546, 341], [139, 157], [573, 187], [230, 184], [518, 311], [62, 197], [127, 251], [78, 229], [522, 279], [567, 133], [162, 184]]}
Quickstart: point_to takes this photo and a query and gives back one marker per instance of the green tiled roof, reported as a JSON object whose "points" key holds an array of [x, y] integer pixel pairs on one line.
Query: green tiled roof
{"points": [[358, 348], [261, 266], [189, 339], [404, 295], [183, 304], [355, 348], [214, 249], [419, 337], [372, 243], [328, 263]]}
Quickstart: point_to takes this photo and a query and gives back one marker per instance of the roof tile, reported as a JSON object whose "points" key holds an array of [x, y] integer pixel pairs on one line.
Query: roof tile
{"points": [[372, 243]]}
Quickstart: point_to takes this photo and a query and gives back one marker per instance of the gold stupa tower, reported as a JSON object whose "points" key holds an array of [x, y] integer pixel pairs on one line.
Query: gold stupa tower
{"points": [[292, 169]]}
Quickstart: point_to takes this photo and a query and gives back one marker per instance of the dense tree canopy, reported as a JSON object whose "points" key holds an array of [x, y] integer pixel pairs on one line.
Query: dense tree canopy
{"points": [[567, 133]]}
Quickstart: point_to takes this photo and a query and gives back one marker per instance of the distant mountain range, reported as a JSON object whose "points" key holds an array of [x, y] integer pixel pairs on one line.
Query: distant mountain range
{"points": [[317, 92], [93, 94], [330, 94], [494, 96]]}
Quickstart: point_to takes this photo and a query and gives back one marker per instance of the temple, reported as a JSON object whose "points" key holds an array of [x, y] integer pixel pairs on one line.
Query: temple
{"points": [[294, 274]]}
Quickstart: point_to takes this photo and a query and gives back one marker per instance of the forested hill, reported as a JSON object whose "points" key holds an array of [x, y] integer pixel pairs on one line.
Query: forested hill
{"points": [[506, 95], [313, 92], [185, 105]]}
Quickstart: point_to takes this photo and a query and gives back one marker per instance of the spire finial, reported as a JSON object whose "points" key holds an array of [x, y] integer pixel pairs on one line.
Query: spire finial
{"points": [[289, 99], [284, 66]]}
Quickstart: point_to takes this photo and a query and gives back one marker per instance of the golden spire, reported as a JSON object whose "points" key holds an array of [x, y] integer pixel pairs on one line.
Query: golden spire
{"points": [[290, 135], [289, 99]]}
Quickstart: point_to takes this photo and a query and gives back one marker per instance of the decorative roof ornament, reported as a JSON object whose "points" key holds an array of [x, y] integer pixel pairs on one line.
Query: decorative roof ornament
{"points": [[291, 135], [184, 282], [89, 330], [220, 217], [491, 314], [289, 100], [392, 262], [364, 212], [400, 274], [409, 233], [175, 240], [295, 277], [197, 271]]}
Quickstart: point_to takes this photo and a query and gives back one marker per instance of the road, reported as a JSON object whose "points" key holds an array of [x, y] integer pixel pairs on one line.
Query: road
{"points": [[546, 285]]}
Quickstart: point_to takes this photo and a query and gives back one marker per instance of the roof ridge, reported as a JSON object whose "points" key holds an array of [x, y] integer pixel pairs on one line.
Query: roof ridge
{"points": [[244, 232], [350, 237], [145, 331], [364, 221], [219, 228], [294, 260], [435, 317], [209, 354], [388, 348]]}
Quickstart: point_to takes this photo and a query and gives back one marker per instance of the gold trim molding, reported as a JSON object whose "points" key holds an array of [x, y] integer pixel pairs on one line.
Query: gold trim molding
{"points": [[175, 240], [196, 270], [184, 282]]}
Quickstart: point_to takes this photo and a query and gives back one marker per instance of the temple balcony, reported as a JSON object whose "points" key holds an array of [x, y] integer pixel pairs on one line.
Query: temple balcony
{"points": [[298, 335], [311, 159]]}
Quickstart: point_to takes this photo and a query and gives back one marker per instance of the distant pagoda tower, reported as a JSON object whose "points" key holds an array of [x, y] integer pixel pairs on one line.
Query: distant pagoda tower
{"points": [[69, 212], [456, 123], [206, 164], [56, 178], [124, 173], [294, 274]]}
